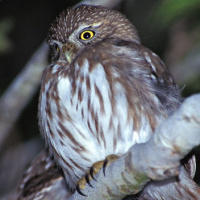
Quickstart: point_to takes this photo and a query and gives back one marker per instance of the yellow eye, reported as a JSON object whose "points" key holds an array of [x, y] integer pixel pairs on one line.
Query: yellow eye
{"points": [[86, 35]]}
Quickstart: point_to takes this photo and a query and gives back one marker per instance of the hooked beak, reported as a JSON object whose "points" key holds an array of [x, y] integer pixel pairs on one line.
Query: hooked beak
{"points": [[69, 49]]}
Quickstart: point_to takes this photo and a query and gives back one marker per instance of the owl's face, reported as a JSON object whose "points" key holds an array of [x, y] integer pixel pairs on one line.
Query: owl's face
{"points": [[78, 28]]}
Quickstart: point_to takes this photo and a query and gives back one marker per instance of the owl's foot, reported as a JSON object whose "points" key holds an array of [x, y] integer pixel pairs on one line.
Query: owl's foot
{"points": [[89, 176], [96, 167], [80, 185]]}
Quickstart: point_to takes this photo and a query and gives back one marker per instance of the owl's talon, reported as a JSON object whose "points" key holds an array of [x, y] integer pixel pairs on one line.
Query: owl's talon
{"points": [[108, 160], [80, 185], [79, 191], [92, 173], [104, 166], [96, 167], [88, 180]]}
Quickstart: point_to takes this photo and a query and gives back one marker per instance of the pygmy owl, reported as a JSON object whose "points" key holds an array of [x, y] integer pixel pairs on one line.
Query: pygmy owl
{"points": [[103, 91]]}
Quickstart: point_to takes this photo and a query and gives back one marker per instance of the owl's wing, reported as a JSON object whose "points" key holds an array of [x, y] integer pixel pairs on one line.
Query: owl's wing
{"points": [[146, 71], [157, 67]]}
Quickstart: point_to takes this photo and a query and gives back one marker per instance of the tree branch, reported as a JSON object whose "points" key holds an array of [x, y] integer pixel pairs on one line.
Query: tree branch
{"points": [[105, 3], [21, 90]]}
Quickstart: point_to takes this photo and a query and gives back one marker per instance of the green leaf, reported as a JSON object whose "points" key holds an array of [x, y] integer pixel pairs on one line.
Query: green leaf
{"points": [[168, 11]]}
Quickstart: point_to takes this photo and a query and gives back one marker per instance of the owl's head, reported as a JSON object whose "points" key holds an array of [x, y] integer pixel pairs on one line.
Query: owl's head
{"points": [[84, 26]]}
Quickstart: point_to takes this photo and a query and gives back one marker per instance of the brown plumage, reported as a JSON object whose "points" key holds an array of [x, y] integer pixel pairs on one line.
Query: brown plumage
{"points": [[103, 92]]}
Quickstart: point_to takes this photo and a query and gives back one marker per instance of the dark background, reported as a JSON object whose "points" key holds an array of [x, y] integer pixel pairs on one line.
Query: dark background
{"points": [[169, 29]]}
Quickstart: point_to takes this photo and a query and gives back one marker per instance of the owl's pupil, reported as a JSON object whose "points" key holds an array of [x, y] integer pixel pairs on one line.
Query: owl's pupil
{"points": [[87, 35]]}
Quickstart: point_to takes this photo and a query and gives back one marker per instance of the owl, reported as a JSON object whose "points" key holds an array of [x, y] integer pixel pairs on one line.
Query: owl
{"points": [[103, 91]]}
